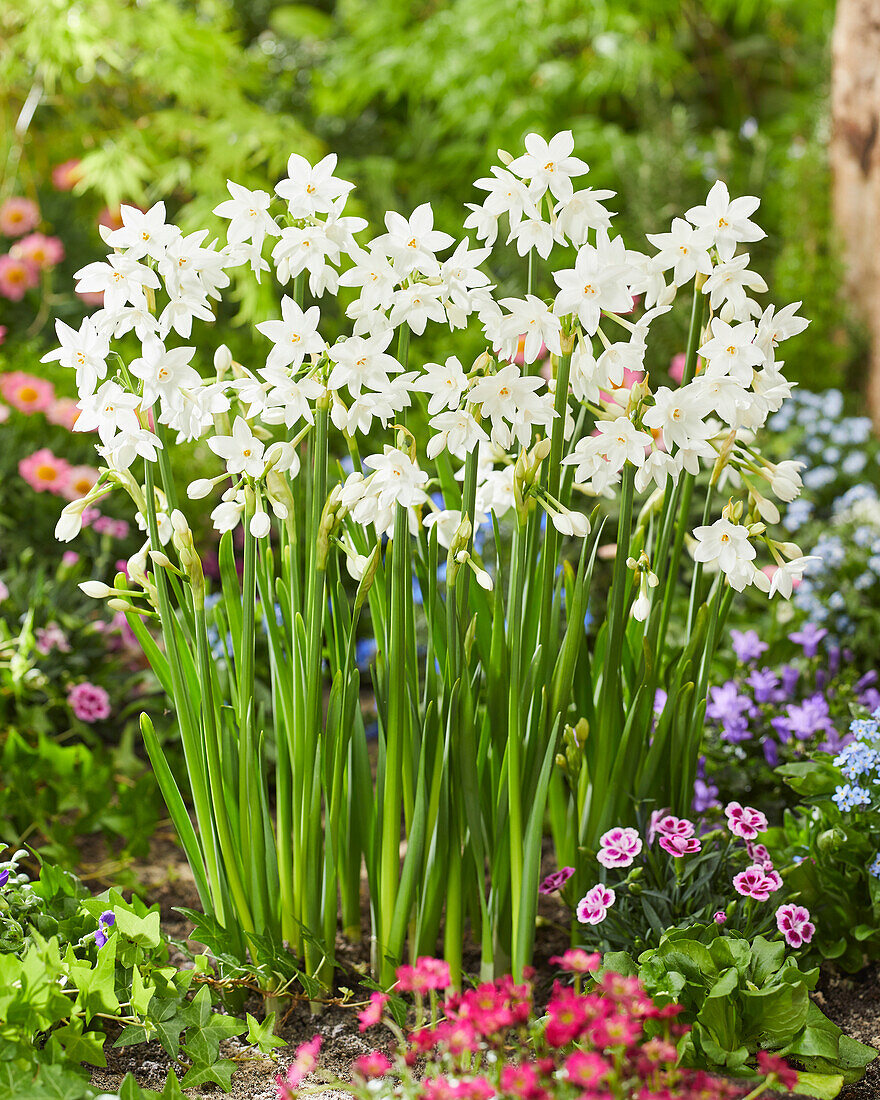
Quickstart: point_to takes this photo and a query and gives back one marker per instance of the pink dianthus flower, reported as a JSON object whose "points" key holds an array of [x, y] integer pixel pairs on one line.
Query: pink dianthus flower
{"points": [[89, 702]]}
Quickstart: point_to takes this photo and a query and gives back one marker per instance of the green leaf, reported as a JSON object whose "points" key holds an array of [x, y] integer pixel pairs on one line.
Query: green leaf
{"points": [[810, 777], [141, 993], [619, 962], [142, 930], [261, 1035], [725, 985], [766, 958], [824, 1086]]}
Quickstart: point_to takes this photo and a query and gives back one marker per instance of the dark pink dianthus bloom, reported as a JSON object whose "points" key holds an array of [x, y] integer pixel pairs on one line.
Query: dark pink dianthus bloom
{"points": [[756, 883], [680, 845], [555, 880], [619, 847], [793, 921], [744, 821], [674, 826]]}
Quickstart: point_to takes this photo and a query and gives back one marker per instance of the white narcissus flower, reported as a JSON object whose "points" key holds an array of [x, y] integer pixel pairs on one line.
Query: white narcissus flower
{"points": [[127, 445], [412, 242], [121, 280], [584, 211], [397, 479], [728, 219], [361, 362], [620, 441], [678, 414], [725, 544], [227, 515], [242, 451], [295, 336], [373, 273], [684, 249], [248, 214], [785, 479], [597, 281], [509, 395], [289, 399], [728, 284], [311, 189], [83, 350], [142, 233], [457, 432], [307, 249], [445, 383], [657, 467], [416, 305], [731, 351], [164, 373], [506, 195], [532, 233], [109, 410], [549, 165], [774, 327], [531, 318], [782, 581]]}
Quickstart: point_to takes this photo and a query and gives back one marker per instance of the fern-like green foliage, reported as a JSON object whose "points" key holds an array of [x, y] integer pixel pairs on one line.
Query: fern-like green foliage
{"points": [[159, 99]]}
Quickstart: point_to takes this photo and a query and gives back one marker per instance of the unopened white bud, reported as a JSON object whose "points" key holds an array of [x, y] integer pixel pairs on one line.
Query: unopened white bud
{"points": [[222, 359], [199, 488], [260, 525], [96, 590]]}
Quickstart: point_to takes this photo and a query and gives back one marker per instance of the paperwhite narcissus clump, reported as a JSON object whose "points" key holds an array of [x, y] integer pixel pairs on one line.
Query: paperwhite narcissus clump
{"points": [[157, 281]]}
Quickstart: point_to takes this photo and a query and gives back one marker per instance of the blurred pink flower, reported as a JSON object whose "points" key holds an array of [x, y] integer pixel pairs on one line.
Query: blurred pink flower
{"points": [[91, 297], [89, 702], [50, 637], [676, 367], [69, 557], [66, 175], [39, 249], [26, 392], [18, 216], [3, 331], [44, 471], [520, 356], [111, 218], [64, 412], [17, 277], [80, 480], [4, 413]]}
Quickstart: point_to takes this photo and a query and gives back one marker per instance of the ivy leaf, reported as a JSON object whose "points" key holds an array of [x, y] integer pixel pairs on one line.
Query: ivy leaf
{"points": [[79, 1047], [141, 993], [261, 1035], [142, 930], [218, 1073]]}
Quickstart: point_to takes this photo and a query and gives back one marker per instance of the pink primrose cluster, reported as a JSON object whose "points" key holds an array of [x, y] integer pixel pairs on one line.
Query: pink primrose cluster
{"points": [[609, 1041]]}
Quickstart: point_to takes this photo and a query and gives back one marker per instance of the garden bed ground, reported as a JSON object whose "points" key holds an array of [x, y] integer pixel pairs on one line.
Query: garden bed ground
{"points": [[852, 1002]]}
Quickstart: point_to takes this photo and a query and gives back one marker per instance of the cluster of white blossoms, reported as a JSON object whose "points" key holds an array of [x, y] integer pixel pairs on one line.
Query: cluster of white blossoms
{"points": [[505, 407]]}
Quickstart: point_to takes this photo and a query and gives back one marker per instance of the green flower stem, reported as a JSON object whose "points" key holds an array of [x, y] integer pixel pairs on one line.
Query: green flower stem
{"points": [[514, 743]]}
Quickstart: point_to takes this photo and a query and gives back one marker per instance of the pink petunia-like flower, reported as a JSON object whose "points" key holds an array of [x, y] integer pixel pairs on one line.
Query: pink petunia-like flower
{"points": [[555, 880], [80, 480], [372, 1065], [64, 412], [680, 845], [26, 392], [577, 961], [39, 249], [756, 883], [44, 472], [674, 826], [89, 702], [428, 973], [619, 847], [17, 277], [372, 1014], [744, 821], [304, 1062], [67, 175], [793, 921], [18, 216], [594, 905]]}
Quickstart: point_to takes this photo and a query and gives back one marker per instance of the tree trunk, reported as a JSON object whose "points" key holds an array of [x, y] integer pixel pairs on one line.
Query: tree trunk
{"points": [[855, 166]]}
